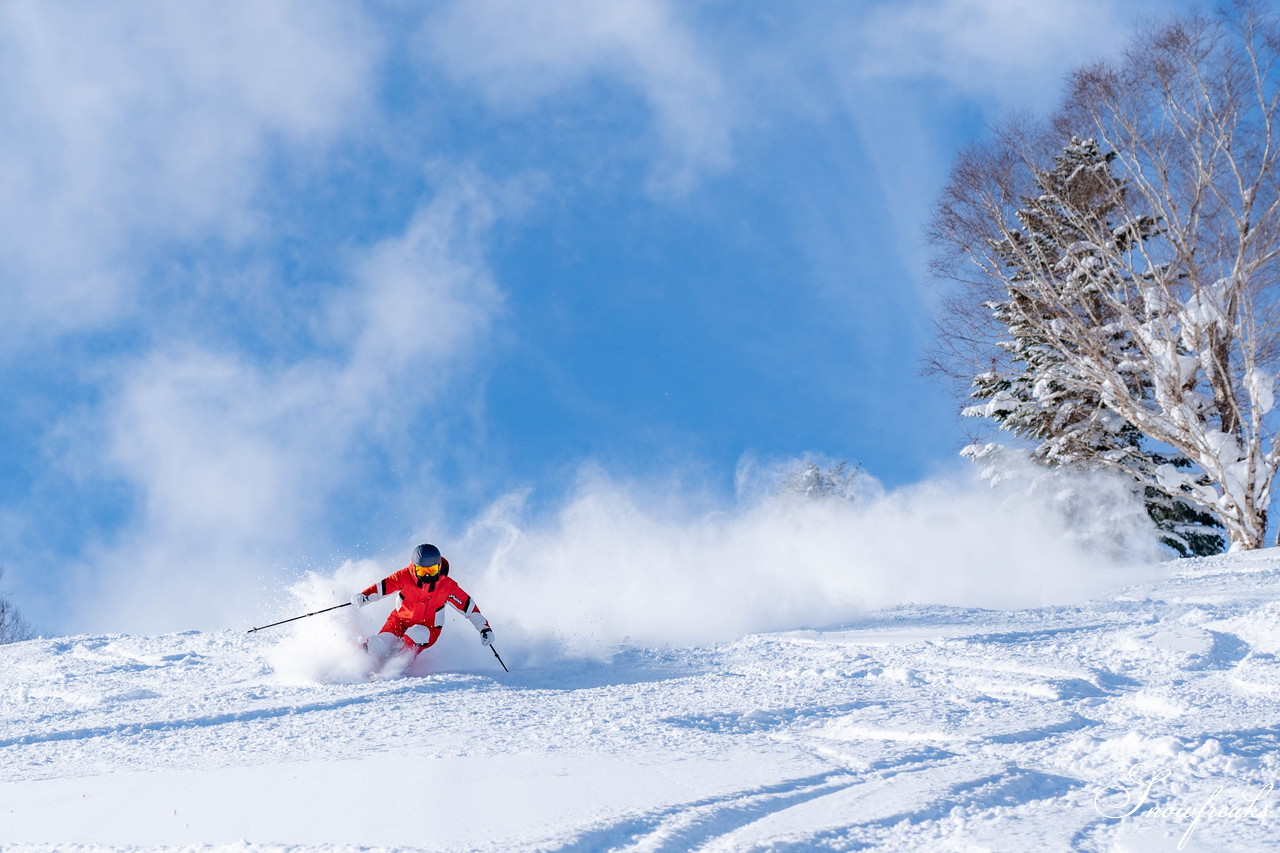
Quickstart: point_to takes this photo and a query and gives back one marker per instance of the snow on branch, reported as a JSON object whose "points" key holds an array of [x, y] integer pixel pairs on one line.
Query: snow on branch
{"points": [[1118, 270]]}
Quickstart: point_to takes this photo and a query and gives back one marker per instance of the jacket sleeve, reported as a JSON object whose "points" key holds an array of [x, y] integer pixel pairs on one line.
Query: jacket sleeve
{"points": [[386, 586], [466, 605]]}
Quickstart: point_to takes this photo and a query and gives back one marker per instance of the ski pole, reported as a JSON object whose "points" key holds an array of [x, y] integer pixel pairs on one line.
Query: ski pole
{"points": [[499, 657], [296, 618]]}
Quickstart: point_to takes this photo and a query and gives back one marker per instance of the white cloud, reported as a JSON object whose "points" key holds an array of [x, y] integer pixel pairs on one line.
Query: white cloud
{"points": [[401, 322], [1015, 51], [518, 53], [236, 464], [131, 126]]}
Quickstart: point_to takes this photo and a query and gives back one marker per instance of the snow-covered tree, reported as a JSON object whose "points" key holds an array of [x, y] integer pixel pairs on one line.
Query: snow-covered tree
{"points": [[13, 628], [1031, 390], [1170, 322], [838, 482]]}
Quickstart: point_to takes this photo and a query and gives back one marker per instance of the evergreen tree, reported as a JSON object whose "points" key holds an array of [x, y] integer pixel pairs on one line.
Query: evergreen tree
{"points": [[837, 483], [1032, 392]]}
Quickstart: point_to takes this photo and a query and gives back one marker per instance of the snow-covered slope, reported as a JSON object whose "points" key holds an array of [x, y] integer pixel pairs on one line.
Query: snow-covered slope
{"points": [[916, 728]]}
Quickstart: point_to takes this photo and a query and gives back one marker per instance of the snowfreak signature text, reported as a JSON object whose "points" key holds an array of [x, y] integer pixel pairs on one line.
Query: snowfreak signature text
{"points": [[1217, 804]]}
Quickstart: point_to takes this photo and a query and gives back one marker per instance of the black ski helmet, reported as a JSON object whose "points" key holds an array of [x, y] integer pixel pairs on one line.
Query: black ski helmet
{"points": [[426, 555]]}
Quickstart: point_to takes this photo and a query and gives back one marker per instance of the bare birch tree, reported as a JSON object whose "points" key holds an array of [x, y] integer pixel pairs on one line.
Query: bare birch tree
{"points": [[1165, 310]]}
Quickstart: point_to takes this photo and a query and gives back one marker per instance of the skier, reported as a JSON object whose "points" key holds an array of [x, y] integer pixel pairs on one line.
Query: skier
{"points": [[424, 587]]}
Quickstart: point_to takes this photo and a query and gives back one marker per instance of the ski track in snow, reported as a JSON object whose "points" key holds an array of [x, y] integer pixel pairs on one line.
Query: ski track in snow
{"points": [[915, 728]]}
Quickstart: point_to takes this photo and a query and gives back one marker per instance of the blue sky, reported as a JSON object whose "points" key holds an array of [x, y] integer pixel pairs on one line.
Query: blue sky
{"points": [[292, 282]]}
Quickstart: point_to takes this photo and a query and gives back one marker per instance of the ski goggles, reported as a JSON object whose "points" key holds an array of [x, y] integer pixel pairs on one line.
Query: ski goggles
{"points": [[426, 571]]}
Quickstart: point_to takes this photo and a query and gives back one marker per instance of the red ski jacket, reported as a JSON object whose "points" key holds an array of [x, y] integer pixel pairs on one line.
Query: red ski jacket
{"points": [[422, 599]]}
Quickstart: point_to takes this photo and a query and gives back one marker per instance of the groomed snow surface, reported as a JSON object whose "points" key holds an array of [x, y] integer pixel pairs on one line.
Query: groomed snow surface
{"points": [[1143, 721]]}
